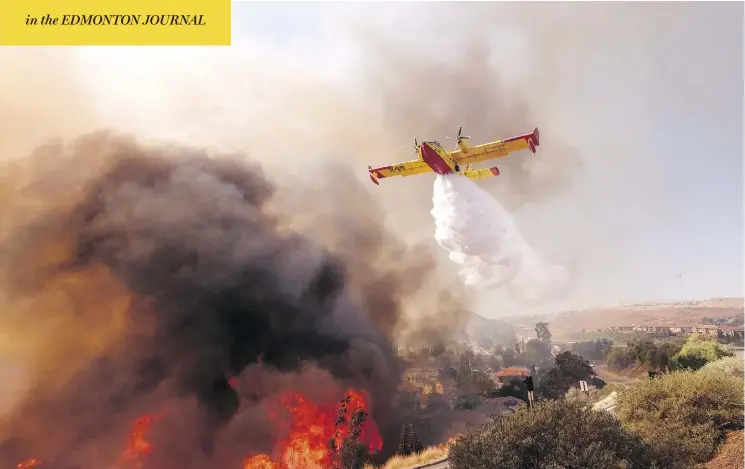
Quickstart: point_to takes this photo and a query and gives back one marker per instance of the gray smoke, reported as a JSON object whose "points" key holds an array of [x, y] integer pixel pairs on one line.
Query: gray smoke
{"points": [[160, 273]]}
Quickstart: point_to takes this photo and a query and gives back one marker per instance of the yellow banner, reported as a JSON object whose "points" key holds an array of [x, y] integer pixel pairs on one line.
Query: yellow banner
{"points": [[115, 22]]}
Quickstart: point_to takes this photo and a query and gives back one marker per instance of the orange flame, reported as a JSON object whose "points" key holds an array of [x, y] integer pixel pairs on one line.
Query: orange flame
{"points": [[138, 447], [306, 443], [29, 463]]}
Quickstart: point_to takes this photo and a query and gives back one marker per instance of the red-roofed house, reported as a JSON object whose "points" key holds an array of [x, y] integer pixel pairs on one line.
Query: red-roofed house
{"points": [[513, 372]]}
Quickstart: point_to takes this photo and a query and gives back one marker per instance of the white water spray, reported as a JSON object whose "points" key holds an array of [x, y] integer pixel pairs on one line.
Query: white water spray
{"points": [[482, 238]]}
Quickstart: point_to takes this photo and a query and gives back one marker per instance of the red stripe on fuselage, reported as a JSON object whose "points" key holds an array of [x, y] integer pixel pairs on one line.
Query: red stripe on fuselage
{"points": [[434, 160]]}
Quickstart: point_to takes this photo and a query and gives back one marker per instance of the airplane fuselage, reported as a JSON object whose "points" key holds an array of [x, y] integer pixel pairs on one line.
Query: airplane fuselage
{"points": [[437, 158], [431, 156]]}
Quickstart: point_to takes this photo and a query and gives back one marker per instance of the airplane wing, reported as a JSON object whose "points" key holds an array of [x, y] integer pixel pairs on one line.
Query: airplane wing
{"points": [[407, 168], [497, 149]]}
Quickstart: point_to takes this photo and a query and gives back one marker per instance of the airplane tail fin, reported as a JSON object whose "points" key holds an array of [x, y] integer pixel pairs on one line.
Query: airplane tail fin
{"points": [[372, 175], [533, 139]]}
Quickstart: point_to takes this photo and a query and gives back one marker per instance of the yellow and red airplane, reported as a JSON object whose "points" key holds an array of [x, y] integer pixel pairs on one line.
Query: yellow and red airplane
{"points": [[432, 157]]}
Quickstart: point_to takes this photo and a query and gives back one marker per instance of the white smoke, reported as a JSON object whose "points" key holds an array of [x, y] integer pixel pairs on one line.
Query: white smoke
{"points": [[482, 238]]}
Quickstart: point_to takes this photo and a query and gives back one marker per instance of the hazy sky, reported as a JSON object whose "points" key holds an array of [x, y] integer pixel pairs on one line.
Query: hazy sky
{"points": [[639, 175], [692, 132]]}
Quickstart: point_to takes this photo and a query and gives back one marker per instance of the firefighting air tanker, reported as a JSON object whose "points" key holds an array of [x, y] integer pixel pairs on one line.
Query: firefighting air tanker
{"points": [[432, 157]]}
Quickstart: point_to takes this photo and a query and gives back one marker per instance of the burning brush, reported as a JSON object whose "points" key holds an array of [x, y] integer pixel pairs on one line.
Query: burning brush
{"points": [[144, 278], [317, 437]]}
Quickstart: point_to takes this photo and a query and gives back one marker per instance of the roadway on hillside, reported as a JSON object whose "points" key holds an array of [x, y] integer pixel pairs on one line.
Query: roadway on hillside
{"points": [[436, 465], [610, 377]]}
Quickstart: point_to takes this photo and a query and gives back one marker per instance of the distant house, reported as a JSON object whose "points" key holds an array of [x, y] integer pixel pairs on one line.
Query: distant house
{"points": [[708, 329], [513, 372], [711, 330], [733, 331]]}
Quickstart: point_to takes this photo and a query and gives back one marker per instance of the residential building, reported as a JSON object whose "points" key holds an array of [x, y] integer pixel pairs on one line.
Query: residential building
{"points": [[513, 372]]}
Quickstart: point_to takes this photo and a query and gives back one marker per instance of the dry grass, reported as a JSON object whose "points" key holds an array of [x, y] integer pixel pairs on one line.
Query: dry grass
{"points": [[429, 455], [730, 454]]}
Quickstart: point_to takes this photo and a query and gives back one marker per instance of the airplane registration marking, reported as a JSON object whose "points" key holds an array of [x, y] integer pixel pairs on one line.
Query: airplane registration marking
{"points": [[397, 169], [496, 147]]}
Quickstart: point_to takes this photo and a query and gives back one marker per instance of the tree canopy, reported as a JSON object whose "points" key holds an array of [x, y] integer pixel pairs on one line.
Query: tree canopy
{"points": [[698, 351]]}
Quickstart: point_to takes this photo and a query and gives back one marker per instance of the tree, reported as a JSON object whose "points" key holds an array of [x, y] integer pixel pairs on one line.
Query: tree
{"points": [[534, 352], [568, 370], [463, 373], [542, 332], [552, 384], [351, 453], [554, 434], [403, 443], [682, 416], [408, 443], [593, 349], [698, 351], [620, 358], [514, 388], [644, 352], [574, 366], [414, 445]]}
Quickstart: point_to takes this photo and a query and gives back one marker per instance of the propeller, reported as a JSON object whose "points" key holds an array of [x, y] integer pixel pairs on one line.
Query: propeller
{"points": [[461, 137]]}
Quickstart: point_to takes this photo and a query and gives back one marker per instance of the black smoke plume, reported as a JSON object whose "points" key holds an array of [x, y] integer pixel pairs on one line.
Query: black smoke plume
{"points": [[153, 275]]}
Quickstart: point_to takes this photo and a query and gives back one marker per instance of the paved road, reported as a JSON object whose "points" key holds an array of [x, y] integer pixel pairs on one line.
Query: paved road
{"points": [[437, 465]]}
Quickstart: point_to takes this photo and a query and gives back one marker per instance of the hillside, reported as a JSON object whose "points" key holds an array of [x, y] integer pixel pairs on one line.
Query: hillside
{"points": [[496, 330], [687, 313]]}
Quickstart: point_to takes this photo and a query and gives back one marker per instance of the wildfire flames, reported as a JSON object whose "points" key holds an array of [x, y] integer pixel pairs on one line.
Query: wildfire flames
{"points": [[311, 430], [309, 440], [138, 446], [29, 463], [169, 278]]}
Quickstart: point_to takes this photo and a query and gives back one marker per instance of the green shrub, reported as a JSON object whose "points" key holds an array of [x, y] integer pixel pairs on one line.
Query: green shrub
{"points": [[698, 351], [732, 366], [620, 358], [681, 416], [555, 434]]}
